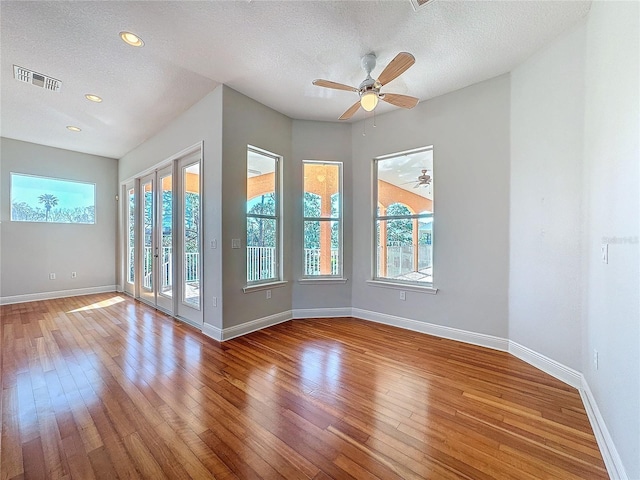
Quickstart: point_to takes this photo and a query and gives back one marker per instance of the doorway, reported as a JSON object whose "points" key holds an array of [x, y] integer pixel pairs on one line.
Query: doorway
{"points": [[162, 238]]}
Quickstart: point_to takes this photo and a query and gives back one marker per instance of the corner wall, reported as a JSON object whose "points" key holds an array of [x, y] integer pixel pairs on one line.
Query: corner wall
{"points": [[611, 314], [329, 141], [469, 130], [31, 250], [547, 112]]}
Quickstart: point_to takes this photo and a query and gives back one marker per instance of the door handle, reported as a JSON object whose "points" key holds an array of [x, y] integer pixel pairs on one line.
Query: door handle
{"points": [[156, 255]]}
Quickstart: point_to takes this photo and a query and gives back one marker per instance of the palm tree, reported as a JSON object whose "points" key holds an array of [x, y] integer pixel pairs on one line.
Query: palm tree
{"points": [[49, 201]]}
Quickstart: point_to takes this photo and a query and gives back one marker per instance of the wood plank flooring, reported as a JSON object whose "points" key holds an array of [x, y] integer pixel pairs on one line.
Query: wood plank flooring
{"points": [[103, 387]]}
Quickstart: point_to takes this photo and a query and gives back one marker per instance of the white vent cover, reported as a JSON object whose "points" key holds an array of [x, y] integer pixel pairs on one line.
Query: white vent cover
{"points": [[34, 78], [417, 4]]}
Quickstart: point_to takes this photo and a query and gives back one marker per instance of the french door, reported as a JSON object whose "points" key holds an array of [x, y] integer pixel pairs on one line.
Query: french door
{"points": [[167, 239]]}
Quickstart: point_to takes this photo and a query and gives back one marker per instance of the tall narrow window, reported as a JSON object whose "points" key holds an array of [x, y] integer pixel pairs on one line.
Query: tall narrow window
{"points": [[131, 235], [263, 217], [322, 219], [404, 217], [191, 230]]}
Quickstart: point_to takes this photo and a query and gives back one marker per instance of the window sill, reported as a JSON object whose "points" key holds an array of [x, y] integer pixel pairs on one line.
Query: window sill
{"points": [[322, 280], [264, 286], [404, 286]]}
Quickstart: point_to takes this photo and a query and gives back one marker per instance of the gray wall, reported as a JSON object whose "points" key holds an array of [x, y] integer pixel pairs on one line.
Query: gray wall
{"points": [[469, 130], [547, 112], [574, 186], [30, 251], [327, 141], [201, 123], [247, 122], [611, 191]]}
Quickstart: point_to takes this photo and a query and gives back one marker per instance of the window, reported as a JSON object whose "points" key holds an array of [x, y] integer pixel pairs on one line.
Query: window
{"points": [[42, 199], [403, 227], [322, 219], [131, 236], [263, 217]]}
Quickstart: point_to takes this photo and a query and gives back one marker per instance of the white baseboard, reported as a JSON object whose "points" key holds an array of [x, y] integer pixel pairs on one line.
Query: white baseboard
{"points": [[254, 325], [322, 312], [34, 297], [451, 333], [213, 332], [555, 369], [610, 455]]}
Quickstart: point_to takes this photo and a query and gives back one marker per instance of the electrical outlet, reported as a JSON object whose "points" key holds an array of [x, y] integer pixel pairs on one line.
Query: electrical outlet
{"points": [[74, 274], [595, 359], [52, 276], [235, 243], [214, 243], [403, 295], [604, 251], [268, 294], [215, 301]]}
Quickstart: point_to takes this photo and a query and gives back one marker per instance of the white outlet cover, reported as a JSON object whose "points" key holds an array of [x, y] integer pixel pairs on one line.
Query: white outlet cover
{"points": [[235, 243]]}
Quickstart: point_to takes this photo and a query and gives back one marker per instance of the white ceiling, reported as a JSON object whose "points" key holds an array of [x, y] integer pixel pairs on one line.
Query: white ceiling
{"points": [[268, 50]]}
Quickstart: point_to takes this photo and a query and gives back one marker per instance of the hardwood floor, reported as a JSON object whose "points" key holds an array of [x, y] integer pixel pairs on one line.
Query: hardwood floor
{"points": [[105, 387]]}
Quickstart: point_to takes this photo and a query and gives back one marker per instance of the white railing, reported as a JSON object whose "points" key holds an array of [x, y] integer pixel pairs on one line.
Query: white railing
{"points": [[400, 259], [192, 267], [312, 261], [261, 263]]}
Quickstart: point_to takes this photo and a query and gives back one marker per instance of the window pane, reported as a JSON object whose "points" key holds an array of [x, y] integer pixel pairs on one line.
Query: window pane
{"points": [[261, 183], [321, 248], [42, 199], [132, 236], [403, 252], [321, 190], [147, 223], [166, 268], [262, 217], [404, 245], [261, 249], [191, 272]]}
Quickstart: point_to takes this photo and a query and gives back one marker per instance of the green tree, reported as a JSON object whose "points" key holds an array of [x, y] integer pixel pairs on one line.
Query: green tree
{"points": [[49, 202]]}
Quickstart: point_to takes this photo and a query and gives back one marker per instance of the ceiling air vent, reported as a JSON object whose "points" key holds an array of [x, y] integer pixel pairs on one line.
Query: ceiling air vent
{"points": [[418, 4], [39, 80]]}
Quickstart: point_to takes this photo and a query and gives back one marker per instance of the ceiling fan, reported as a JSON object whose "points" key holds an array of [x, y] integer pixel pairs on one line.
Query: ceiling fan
{"points": [[424, 180], [369, 89]]}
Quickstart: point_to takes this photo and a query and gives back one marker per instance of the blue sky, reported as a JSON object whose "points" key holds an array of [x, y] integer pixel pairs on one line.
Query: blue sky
{"points": [[70, 194]]}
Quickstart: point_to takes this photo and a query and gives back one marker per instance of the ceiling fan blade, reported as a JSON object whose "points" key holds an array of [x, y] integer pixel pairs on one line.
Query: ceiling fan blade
{"points": [[404, 101], [396, 67], [351, 111], [334, 85]]}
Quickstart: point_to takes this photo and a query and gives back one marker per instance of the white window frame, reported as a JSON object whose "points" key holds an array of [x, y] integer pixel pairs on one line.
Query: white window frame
{"points": [[377, 280], [278, 278], [339, 274]]}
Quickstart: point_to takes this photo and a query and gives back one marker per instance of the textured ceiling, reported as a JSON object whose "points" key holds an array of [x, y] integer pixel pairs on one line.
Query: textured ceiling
{"points": [[269, 51]]}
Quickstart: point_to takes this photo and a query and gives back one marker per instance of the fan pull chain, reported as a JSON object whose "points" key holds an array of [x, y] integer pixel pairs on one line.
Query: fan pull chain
{"points": [[364, 122], [374, 118]]}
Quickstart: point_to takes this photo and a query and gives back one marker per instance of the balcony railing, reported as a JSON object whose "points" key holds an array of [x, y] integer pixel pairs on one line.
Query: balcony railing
{"points": [[312, 261], [400, 260], [192, 267]]}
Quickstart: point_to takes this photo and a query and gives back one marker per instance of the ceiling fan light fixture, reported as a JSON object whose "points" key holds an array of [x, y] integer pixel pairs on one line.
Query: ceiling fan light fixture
{"points": [[369, 100]]}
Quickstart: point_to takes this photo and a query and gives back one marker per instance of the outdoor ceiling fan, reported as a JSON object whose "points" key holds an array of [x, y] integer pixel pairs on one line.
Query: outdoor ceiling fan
{"points": [[369, 89], [424, 179]]}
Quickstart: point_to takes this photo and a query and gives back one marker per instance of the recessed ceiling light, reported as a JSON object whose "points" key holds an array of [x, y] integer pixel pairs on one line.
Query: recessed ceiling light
{"points": [[74, 129], [132, 39], [93, 98]]}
